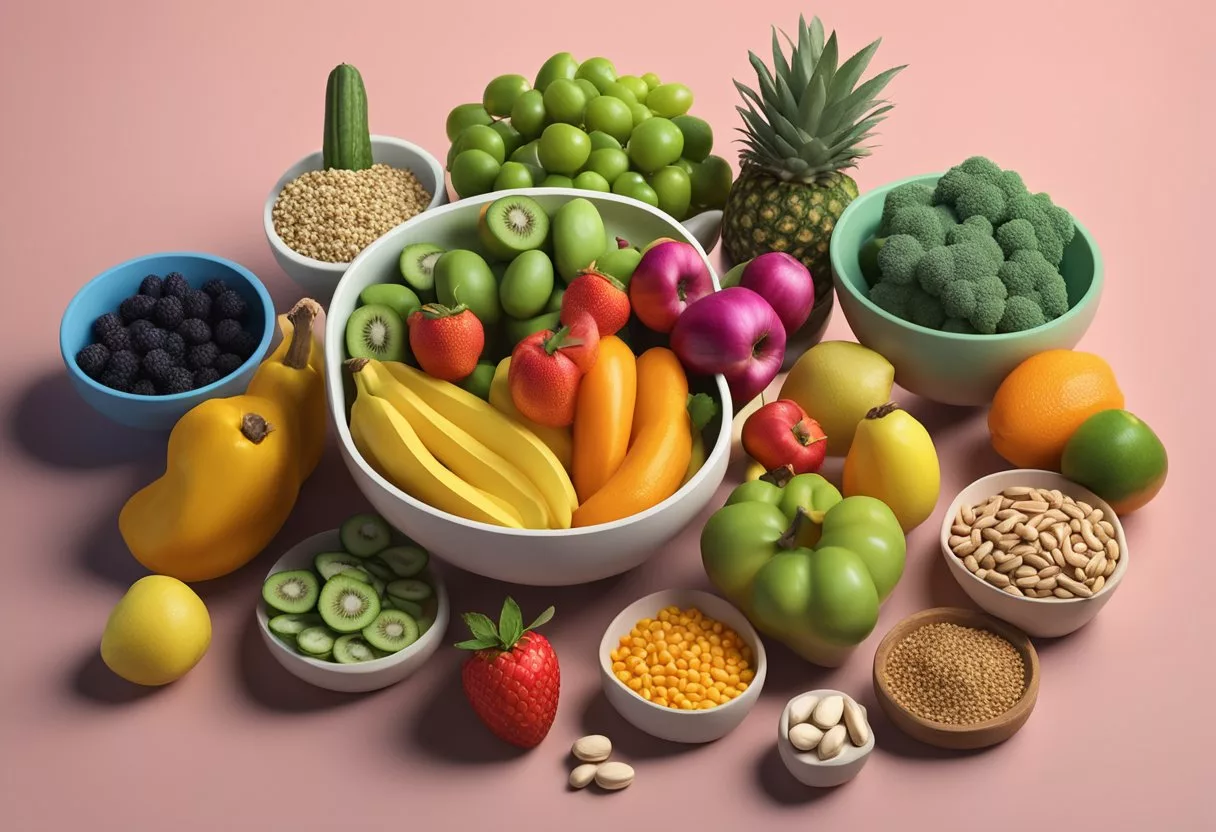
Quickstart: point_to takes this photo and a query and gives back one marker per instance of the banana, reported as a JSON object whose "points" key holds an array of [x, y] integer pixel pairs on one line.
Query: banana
{"points": [[559, 440], [500, 433], [386, 439], [893, 459], [461, 452]]}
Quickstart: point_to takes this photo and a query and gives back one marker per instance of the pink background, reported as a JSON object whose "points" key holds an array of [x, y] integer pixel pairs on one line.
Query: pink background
{"points": [[133, 127]]}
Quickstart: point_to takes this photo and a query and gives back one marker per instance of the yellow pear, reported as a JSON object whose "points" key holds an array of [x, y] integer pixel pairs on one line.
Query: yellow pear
{"points": [[157, 632], [837, 383]]}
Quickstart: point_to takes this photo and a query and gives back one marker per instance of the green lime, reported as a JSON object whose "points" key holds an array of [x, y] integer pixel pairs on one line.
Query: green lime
{"points": [[465, 115], [588, 88], [684, 165], [651, 80], [608, 162], [564, 148], [669, 100], [474, 172], [556, 180], [565, 102], [698, 137], [526, 285], [711, 181], [599, 71], [674, 190], [640, 113], [632, 184], [501, 93], [478, 382], [589, 180], [655, 143], [618, 90], [635, 85], [601, 140], [512, 140], [514, 175], [609, 115], [463, 276], [561, 65], [1118, 457], [482, 137], [528, 114]]}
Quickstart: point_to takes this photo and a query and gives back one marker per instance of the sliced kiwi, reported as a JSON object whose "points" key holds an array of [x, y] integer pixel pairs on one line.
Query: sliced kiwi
{"points": [[315, 641], [392, 630], [364, 535], [512, 225], [412, 608], [405, 561], [417, 264], [424, 624], [348, 605], [380, 569], [292, 591], [334, 563], [352, 648], [410, 589], [375, 331], [400, 298], [289, 624]]}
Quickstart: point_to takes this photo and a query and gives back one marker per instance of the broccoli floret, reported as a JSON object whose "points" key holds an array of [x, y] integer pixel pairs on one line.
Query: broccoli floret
{"points": [[958, 298], [905, 196], [979, 231], [1025, 271], [1018, 279], [1011, 184], [946, 216], [1051, 246], [935, 270], [891, 297], [988, 312], [925, 310], [1016, 235], [921, 222], [972, 260], [959, 325], [978, 299], [971, 190], [898, 258], [981, 166], [951, 185], [1053, 297], [1021, 313], [982, 199]]}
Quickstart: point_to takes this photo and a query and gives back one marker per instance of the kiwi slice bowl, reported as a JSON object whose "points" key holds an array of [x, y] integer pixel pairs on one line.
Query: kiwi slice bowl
{"points": [[354, 609]]}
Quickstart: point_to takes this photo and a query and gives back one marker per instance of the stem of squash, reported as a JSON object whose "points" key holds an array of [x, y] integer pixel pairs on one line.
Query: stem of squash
{"points": [[301, 316], [779, 477], [255, 428]]}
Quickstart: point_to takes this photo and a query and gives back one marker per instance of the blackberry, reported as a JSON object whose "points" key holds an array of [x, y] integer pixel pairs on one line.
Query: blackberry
{"points": [[194, 331], [152, 286], [227, 363], [244, 345], [139, 326], [92, 360], [176, 285], [202, 356], [157, 365], [115, 381], [197, 304], [147, 338], [137, 307], [226, 332], [229, 305], [175, 345], [144, 387], [179, 380], [106, 323], [117, 339], [215, 288], [205, 376], [124, 364], [169, 313]]}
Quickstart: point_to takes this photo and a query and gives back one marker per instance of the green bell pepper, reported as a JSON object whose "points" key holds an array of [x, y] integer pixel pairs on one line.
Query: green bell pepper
{"points": [[807, 567]]}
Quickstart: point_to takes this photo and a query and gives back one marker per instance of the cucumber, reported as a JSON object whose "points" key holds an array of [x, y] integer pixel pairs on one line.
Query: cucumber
{"points": [[347, 143]]}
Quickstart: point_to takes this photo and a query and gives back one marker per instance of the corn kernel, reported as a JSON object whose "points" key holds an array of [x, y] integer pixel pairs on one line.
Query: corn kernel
{"points": [[623, 675], [693, 676], [746, 675], [732, 680], [687, 706], [618, 666], [635, 683]]}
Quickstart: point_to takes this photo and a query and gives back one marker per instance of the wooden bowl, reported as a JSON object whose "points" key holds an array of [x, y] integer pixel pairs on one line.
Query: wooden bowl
{"points": [[958, 737]]}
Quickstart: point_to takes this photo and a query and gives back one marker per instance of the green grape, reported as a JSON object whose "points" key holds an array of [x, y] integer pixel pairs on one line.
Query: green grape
{"points": [[601, 140], [511, 139], [670, 100], [683, 164], [626, 181], [618, 90], [627, 185], [698, 137], [651, 80], [589, 180], [673, 187], [655, 143], [528, 154], [561, 65], [640, 113], [473, 172], [636, 86], [589, 89], [555, 180], [501, 93], [599, 71], [565, 102], [608, 162], [609, 115], [528, 114], [515, 175], [465, 115], [711, 182], [482, 137], [564, 149]]}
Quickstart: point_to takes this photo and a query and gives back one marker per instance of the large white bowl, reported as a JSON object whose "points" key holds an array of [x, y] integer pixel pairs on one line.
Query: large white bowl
{"points": [[666, 723], [364, 676], [542, 557], [316, 277], [1041, 617]]}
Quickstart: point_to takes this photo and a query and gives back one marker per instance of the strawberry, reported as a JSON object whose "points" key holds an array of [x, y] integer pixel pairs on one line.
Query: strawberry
{"points": [[512, 680], [600, 295], [446, 341], [546, 369]]}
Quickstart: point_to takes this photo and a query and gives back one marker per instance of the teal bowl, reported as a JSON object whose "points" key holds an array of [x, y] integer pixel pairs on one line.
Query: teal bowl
{"points": [[948, 367]]}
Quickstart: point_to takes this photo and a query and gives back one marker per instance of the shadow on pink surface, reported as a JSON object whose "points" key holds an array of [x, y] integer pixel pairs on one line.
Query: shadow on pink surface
{"points": [[268, 686], [93, 681]]}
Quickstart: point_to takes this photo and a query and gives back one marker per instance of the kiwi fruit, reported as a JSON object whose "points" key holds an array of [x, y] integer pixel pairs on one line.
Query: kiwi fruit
{"points": [[392, 630], [375, 331], [290, 625], [329, 564], [352, 648], [347, 605], [398, 297], [413, 609], [315, 642], [293, 591], [364, 535], [417, 265], [512, 225], [379, 569], [404, 561], [410, 589]]}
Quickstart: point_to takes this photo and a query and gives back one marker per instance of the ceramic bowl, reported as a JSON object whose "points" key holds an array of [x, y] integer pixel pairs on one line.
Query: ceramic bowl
{"points": [[1040, 617], [364, 676], [667, 724], [948, 367], [106, 291], [522, 556], [958, 737], [316, 277], [806, 767]]}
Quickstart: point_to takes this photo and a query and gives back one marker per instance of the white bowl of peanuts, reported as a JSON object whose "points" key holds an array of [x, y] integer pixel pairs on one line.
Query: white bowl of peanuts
{"points": [[1035, 549], [682, 665]]}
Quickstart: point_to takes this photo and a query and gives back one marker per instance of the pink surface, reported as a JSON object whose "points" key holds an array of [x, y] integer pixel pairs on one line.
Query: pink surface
{"points": [[137, 127]]}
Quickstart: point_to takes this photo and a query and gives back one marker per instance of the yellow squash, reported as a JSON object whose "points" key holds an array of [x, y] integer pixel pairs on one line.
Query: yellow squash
{"points": [[893, 459], [234, 466]]}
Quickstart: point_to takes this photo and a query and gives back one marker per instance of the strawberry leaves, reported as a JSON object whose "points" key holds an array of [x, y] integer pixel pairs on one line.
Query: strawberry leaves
{"points": [[504, 635]]}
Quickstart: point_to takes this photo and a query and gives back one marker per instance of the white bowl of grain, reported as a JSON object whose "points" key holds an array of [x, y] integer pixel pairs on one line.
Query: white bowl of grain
{"points": [[1035, 549], [319, 275]]}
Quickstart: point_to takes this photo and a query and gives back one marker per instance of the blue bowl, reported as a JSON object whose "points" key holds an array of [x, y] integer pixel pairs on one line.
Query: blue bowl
{"points": [[107, 290]]}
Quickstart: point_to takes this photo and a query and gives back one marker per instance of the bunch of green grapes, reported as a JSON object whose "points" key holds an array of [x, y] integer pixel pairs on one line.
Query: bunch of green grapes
{"points": [[580, 125]]}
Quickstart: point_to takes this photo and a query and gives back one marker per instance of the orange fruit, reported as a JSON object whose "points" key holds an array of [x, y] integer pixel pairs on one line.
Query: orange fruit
{"points": [[1044, 400]]}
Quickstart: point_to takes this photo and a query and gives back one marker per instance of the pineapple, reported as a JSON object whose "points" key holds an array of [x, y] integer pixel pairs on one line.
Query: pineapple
{"points": [[802, 132]]}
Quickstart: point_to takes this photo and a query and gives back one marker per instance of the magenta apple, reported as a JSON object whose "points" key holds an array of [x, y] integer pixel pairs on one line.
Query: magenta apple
{"points": [[668, 279], [785, 283]]}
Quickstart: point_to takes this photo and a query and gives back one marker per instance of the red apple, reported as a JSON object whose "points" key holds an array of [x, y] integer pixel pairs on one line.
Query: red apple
{"points": [[781, 433]]}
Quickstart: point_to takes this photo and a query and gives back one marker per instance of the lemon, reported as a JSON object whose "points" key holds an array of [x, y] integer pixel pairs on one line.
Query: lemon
{"points": [[157, 633]]}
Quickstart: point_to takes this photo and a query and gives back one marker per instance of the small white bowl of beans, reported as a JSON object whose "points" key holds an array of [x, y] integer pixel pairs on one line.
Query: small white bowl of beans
{"points": [[824, 738], [1035, 549]]}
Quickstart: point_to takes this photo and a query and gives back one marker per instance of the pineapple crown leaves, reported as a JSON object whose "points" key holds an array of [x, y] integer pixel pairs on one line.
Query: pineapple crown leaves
{"points": [[810, 117], [506, 634]]}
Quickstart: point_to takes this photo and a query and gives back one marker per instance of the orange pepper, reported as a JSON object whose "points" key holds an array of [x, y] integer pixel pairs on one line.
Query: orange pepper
{"points": [[662, 446], [603, 415]]}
